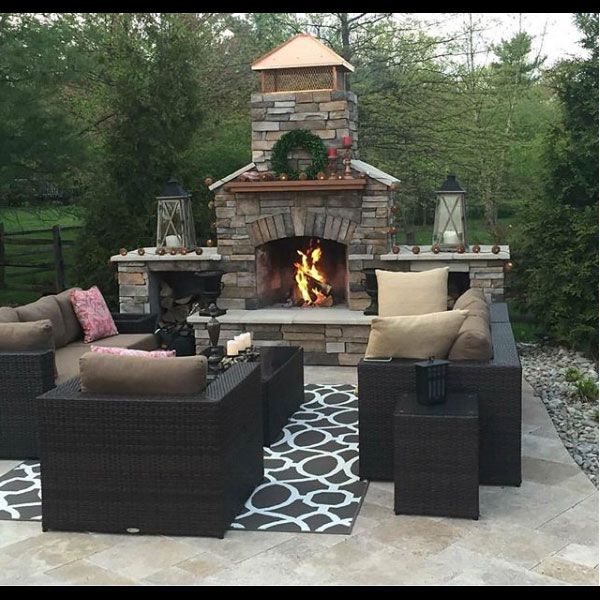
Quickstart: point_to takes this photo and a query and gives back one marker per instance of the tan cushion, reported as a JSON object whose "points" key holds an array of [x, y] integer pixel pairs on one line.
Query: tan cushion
{"points": [[401, 294], [45, 308], [474, 340], [141, 376], [418, 336], [67, 358], [35, 335], [8, 315], [73, 329], [472, 298]]}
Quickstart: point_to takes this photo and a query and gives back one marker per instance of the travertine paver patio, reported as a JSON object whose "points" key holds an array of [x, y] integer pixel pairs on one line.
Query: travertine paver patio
{"points": [[543, 533]]}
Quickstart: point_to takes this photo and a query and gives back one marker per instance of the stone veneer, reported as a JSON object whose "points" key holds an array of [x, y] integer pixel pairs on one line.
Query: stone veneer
{"points": [[331, 115]]}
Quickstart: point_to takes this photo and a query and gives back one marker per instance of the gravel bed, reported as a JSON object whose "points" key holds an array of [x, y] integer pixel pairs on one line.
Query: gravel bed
{"points": [[575, 420]]}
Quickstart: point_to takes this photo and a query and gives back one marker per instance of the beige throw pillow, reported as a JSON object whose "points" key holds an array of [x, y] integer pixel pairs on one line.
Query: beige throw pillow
{"points": [[8, 315], [142, 376], [35, 335], [401, 294], [419, 336], [45, 308]]}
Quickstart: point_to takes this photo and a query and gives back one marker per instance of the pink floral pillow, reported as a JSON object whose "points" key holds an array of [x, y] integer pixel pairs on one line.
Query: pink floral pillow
{"points": [[93, 314], [130, 352]]}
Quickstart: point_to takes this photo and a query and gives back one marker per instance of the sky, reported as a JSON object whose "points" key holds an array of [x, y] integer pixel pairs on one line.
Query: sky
{"points": [[555, 34]]}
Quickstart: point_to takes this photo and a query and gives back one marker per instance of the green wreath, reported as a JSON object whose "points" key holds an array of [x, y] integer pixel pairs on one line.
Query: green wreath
{"points": [[304, 139]]}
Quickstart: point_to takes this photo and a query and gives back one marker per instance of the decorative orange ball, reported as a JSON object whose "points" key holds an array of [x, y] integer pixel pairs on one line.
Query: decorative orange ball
{"points": [[141, 251], [476, 248], [160, 251], [393, 230], [267, 176], [435, 249], [509, 266], [283, 177], [172, 251], [183, 251], [303, 176], [208, 181], [495, 249], [416, 249], [210, 243], [396, 249], [460, 249], [320, 175], [394, 208], [123, 251], [199, 250]]}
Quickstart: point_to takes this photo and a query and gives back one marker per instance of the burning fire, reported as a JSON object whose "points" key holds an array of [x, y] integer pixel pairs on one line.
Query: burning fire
{"points": [[311, 281]]}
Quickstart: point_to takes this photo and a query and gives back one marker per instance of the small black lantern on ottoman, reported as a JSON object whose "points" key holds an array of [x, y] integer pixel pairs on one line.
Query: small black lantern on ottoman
{"points": [[431, 381]]}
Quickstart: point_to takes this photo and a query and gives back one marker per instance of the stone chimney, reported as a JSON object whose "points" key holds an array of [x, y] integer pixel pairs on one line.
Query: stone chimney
{"points": [[303, 86]]}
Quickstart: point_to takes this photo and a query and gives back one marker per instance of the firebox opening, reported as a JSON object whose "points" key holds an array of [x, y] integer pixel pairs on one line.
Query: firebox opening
{"points": [[301, 271]]}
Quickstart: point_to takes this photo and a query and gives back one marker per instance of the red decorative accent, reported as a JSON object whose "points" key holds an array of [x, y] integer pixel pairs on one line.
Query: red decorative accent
{"points": [[93, 314], [347, 141], [332, 153]]}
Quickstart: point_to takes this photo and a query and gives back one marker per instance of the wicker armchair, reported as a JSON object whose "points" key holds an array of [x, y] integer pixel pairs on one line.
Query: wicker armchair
{"points": [[497, 383], [23, 377], [175, 465]]}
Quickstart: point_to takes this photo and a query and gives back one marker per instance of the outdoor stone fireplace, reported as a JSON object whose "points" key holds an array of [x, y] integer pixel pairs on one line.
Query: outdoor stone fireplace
{"points": [[262, 224]]}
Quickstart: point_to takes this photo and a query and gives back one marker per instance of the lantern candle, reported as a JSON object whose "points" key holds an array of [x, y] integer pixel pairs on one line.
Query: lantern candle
{"points": [[451, 237], [172, 241], [232, 348]]}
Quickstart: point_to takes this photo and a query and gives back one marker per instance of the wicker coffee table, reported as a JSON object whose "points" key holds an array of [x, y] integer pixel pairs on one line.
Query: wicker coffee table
{"points": [[436, 457]]}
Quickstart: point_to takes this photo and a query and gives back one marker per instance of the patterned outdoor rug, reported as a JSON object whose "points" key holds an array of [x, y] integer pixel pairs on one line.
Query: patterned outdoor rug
{"points": [[311, 472]]}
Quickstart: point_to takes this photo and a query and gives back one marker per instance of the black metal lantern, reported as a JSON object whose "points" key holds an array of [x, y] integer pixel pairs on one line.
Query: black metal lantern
{"points": [[450, 227], [431, 381], [175, 222], [369, 284]]}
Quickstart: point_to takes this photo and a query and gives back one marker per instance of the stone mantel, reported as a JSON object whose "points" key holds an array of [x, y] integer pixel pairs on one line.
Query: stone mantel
{"points": [[150, 256], [406, 254]]}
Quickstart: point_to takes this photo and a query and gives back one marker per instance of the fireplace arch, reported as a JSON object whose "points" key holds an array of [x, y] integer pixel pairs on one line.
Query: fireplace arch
{"points": [[276, 283]]}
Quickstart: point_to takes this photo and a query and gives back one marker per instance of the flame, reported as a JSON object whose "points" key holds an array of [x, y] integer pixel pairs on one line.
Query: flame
{"points": [[306, 268]]}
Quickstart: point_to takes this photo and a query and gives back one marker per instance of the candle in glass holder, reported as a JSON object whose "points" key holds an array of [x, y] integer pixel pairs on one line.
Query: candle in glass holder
{"points": [[347, 141], [332, 153], [232, 348]]}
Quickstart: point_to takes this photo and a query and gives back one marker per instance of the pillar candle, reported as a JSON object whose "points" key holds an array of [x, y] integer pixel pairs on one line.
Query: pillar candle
{"points": [[172, 241], [232, 348], [451, 237], [247, 340]]}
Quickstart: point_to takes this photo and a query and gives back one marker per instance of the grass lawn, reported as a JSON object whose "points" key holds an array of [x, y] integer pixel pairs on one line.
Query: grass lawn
{"points": [[25, 219]]}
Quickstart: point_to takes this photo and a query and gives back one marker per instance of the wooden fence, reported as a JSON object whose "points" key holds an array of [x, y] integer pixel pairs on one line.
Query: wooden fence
{"points": [[50, 257]]}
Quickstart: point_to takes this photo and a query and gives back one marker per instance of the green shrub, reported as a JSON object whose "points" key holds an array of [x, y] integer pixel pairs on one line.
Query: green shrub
{"points": [[587, 389], [572, 374]]}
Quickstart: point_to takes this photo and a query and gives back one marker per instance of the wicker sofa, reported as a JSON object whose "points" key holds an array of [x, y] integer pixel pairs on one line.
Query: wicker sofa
{"points": [[497, 383], [25, 375], [177, 465]]}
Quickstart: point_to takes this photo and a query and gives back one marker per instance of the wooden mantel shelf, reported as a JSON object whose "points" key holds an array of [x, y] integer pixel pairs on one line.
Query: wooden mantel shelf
{"points": [[296, 186]]}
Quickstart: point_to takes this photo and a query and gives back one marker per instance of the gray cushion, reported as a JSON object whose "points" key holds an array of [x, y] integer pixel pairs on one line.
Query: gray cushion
{"points": [[73, 329], [46, 308], [8, 315], [142, 376]]}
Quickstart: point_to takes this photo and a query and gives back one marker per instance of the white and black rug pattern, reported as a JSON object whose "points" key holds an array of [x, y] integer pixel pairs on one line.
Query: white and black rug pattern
{"points": [[311, 473], [20, 493]]}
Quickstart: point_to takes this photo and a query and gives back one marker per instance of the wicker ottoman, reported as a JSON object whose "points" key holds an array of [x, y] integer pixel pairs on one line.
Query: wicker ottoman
{"points": [[436, 457]]}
